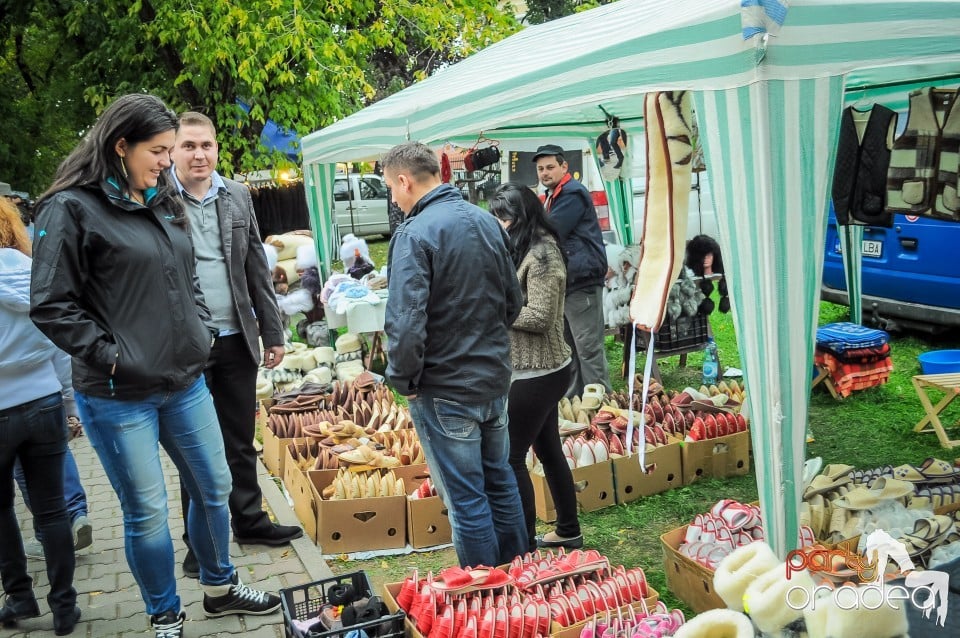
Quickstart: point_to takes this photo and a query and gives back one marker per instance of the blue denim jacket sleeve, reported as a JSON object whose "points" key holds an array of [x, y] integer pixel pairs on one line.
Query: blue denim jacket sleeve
{"points": [[406, 316]]}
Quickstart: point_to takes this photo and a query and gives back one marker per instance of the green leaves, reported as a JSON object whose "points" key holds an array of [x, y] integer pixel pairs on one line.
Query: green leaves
{"points": [[301, 63]]}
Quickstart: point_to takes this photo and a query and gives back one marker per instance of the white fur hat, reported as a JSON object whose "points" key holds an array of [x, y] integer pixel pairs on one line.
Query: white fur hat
{"points": [[717, 623], [306, 257], [740, 568], [871, 618]]}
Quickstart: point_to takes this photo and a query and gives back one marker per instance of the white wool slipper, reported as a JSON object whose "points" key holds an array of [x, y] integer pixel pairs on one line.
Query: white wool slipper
{"points": [[740, 568], [855, 615], [321, 376], [717, 623], [774, 601], [325, 355]]}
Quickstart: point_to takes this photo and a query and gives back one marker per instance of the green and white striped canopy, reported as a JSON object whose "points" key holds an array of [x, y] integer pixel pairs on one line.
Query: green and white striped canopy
{"points": [[768, 111]]}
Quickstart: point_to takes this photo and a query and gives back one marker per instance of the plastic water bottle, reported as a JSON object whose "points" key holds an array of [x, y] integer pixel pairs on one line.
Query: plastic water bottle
{"points": [[711, 366]]}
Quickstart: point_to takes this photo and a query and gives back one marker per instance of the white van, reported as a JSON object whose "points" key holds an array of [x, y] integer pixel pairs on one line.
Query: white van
{"points": [[360, 204]]}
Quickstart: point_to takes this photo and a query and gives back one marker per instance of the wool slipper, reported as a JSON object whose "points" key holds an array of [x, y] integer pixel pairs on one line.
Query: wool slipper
{"points": [[889, 489], [860, 498], [836, 471], [717, 623], [767, 598], [735, 572], [821, 484], [937, 471], [459, 580]]}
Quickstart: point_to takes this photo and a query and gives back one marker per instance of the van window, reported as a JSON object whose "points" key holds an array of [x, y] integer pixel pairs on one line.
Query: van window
{"points": [[340, 192], [372, 189]]}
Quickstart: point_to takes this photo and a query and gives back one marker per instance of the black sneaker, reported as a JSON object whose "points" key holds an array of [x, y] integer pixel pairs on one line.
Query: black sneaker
{"points": [[191, 567], [168, 624], [240, 600]]}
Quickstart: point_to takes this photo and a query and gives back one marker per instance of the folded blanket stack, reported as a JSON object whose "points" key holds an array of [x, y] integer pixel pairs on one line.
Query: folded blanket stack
{"points": [[856, 357]]}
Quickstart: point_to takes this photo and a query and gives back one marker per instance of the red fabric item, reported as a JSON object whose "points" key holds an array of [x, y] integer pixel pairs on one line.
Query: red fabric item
{"points": [[848, 377], [446, 173]]}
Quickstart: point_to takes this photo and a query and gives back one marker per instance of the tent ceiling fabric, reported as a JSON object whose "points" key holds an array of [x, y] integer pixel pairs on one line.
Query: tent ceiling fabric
{"points": [[769, 117]]}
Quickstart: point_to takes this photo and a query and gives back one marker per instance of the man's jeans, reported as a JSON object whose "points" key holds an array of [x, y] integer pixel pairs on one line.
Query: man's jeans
{"points": [[467, 449], [125, 435], [583, 331], [36, 433], [73, 492]]}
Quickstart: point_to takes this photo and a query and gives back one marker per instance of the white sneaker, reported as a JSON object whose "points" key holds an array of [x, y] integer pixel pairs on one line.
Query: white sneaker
{"points": [[33, 549]]}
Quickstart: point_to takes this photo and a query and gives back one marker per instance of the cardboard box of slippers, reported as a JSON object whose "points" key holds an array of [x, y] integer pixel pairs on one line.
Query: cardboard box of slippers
{"points": [[274, 447], [689, 581], [355, 524], [594, 485], [719, 457], [428, 522], [663, 472]]}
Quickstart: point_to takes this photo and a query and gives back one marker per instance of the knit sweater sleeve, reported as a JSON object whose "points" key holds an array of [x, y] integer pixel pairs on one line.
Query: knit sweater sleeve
{"points": [[543, 279]]}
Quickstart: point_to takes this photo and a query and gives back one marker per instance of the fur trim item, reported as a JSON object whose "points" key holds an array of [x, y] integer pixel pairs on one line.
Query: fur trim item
{"points": [[668, 118], [826, 619], [717, 623], [287, 244], [272, 256], [740, 568], [766, 598], [306, 257]]}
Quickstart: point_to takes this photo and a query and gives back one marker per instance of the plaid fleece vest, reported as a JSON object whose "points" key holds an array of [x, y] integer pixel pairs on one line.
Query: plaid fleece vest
{"points": [[922, 179]]}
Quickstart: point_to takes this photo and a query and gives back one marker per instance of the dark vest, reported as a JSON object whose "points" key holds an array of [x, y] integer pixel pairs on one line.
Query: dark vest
{"points": [[860, 174]]}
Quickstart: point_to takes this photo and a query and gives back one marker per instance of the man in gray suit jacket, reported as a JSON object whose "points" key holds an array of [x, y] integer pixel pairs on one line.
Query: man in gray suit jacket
{"points": [[238, 289]]}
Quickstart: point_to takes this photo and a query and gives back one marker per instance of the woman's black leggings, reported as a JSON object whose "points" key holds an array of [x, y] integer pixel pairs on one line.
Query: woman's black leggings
{"points": [[533, 421]]}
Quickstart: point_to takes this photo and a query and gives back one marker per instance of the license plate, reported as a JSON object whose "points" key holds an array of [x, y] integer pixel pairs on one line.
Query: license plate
{"points": [[868, 247]]}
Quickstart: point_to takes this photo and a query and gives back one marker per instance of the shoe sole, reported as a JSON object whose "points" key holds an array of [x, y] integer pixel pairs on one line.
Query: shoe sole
{"points": [[83, 537], [240, 612], [271, 542], [191, 574], [570, 543]]}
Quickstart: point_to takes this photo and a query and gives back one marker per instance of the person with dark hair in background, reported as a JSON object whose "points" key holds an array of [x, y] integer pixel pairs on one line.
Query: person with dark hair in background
{"points": [[453, 295], [238, 288], [114, 285], [571, 213], [541, 361], [33, 431]]}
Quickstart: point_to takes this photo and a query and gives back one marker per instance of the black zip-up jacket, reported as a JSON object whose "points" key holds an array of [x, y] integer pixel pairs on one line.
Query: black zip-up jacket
{"points": [[453, 295], [115, 282]]}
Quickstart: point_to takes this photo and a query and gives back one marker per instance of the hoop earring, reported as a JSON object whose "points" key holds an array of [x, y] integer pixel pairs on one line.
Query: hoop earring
{"points": [[123, 167]]}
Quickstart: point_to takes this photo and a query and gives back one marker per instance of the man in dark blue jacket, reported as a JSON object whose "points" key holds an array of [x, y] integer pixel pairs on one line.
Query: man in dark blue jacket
{"points": [[453, 292], [570, 210]]}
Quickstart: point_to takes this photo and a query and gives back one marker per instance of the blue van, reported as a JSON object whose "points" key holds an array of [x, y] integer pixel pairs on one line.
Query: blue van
{"points": [[911, 273]]}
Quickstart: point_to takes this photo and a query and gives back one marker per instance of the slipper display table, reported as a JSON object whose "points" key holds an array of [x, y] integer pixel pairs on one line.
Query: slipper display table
{"points": [[950, 385]]}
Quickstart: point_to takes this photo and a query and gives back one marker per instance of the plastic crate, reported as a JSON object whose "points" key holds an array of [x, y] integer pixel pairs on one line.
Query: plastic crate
{"points": [[305, 602], [682, 334]]}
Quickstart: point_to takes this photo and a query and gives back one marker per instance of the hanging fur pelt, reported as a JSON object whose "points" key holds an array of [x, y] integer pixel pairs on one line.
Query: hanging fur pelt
{"points": [[667, 116]]}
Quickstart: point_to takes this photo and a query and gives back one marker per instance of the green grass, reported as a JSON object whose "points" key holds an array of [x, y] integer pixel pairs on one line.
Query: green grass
{"points": [[871, 428]]}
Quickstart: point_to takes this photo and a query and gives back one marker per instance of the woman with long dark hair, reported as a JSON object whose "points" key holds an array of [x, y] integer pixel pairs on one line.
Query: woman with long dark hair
{"points": [[114, 286], [541, 361], [33, 429]]}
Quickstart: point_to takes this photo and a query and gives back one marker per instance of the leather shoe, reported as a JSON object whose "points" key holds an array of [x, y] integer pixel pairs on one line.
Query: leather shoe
{"points": [[273, 535], [14, 610], [63, 624], [575, 542]]}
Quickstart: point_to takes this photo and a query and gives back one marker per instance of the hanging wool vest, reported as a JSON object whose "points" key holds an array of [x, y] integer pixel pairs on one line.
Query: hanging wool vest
{"points": [[860, 174], [922, 179]]}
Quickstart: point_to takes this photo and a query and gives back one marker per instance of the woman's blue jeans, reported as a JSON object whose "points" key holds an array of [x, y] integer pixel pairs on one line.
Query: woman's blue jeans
{"points": [[467, 449], [125, 435]]}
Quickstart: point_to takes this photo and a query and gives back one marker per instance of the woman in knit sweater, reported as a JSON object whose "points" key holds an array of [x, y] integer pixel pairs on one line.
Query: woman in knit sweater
{"points": [[541, 360]]}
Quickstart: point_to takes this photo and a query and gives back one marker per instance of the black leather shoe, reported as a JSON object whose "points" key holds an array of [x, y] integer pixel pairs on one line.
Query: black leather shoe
{"points": [[273, 535], [63, 624], [14, 610], [191, 567]]}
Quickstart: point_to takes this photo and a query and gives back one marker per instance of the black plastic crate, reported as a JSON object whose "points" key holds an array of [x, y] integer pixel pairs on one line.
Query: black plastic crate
{"points": [[684, 333], [305, 602]]}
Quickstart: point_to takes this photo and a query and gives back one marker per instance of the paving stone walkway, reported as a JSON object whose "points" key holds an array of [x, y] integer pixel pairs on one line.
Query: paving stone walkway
{"points": [[110, 599]]}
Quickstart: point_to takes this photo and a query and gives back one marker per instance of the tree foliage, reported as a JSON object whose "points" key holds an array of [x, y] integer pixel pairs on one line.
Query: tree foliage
{"points": [[540, 11], [301, 63]]}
